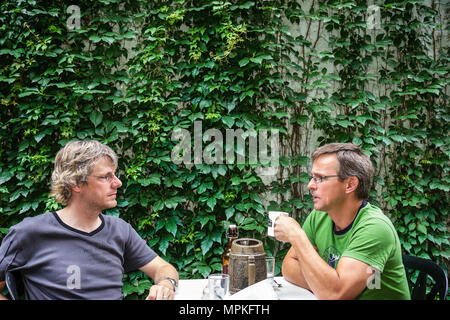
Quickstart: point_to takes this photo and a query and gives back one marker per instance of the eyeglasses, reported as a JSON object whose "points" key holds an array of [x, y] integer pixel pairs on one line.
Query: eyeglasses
{"points": [[108, 178], [319, 179]]}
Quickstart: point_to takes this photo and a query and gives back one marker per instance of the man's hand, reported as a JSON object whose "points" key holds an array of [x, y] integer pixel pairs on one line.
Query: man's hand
{"points": [[286, 229], [161, 291], [159, 270]]}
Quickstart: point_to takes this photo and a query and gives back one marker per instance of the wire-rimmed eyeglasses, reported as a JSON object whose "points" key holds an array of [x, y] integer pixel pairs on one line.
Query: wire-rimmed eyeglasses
{"points": [[319, 179], [108, 177]]}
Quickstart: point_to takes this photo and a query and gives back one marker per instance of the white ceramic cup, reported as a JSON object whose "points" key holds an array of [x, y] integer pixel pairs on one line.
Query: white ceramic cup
{"points": [[273, 215]]}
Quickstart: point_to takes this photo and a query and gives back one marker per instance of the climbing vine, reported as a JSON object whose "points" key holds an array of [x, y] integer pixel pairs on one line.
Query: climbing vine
{"points": [[134, 72]]}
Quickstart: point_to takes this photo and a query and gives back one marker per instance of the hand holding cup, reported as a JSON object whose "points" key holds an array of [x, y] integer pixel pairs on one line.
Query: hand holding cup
{"points": [[286, 228], [273, 215]]}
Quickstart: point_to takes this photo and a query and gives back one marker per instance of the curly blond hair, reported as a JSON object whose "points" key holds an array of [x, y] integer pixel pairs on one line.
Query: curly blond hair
{"points": [[73, 164]]}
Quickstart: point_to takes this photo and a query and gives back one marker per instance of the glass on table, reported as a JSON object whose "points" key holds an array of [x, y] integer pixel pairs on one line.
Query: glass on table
{"points": [[218, 285], [270, 265]]}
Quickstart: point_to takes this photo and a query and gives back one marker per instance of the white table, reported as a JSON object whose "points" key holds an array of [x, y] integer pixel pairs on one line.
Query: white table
{"points": [[263, 290]]}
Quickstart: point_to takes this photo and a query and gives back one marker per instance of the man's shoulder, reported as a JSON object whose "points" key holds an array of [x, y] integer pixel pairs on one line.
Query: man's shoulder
{"points": [[113, 219], [28, 228], [33, 222], [318, 216], [373, 218], [373, 214], [115, 222]]}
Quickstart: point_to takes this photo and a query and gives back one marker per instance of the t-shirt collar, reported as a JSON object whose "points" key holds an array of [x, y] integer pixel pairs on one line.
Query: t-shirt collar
{"points": [[346, 229]]}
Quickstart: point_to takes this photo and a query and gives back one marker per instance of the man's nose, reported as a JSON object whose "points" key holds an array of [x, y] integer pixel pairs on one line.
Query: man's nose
{"points": [[311, 185], [117, 183]]}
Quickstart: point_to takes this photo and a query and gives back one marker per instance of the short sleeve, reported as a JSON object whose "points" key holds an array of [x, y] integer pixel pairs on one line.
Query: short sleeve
{"points": [[137, 252], [8, 250], [372, 243]]}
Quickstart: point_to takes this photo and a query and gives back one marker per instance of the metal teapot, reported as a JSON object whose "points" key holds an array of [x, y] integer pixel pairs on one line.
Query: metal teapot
{"points": [[247, 263]]}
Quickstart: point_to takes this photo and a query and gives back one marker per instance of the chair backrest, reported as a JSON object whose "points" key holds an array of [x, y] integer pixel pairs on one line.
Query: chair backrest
{"points": [[426, 268], [14, 284]]}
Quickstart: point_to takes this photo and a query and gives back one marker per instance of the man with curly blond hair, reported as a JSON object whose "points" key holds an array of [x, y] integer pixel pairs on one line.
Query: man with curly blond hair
{"points": [[78, 252]]}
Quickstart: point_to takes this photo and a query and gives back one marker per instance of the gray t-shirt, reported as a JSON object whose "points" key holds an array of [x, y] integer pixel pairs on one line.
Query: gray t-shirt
{"points": [[60, 262]]}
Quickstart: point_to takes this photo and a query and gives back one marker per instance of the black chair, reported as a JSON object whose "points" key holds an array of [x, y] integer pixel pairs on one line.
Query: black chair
{"points": [[426, 268], [14, 284]]}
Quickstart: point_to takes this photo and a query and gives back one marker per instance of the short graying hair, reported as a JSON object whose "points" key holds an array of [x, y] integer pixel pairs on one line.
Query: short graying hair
{"points": [[352, 162], [73, 165]]}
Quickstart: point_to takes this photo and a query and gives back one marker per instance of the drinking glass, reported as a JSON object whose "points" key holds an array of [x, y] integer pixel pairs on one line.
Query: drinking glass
{"points": [[270, 264], [219, 286]]}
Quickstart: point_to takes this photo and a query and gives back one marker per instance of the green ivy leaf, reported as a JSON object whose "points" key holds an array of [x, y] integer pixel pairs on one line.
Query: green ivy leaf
{"points": [[96, 117], [171, 225], [243, 62], [173, 202], [95, 38], [206, 245], [211, 203], [154, 178], [421, 228], [229, 212]]}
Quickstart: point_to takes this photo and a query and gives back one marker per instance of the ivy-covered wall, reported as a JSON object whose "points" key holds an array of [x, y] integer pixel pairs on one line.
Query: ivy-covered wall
{"points": [[130, 73]]}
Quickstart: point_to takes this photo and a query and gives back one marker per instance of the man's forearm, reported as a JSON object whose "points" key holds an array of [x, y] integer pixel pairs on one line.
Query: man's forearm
{"points": [[292, 271], [321, 279], [166, 271]]}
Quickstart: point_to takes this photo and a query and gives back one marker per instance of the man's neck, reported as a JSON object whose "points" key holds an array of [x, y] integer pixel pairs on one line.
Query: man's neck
{"points": [[80, 218], [345, 214]]}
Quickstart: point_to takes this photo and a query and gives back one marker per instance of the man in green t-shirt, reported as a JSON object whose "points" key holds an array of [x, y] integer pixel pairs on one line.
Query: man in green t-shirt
{"points": [[347, 248]]}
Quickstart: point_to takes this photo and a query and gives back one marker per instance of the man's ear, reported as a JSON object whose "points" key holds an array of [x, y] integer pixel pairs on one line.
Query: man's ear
{"points": [[76, 188], [352, 184]]}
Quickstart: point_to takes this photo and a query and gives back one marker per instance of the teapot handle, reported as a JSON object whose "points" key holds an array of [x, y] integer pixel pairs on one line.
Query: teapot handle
{"points": [[251, 270]]}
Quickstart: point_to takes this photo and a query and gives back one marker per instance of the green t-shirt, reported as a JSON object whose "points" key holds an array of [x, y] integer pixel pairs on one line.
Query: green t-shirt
{"points": [[372, 239]]}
